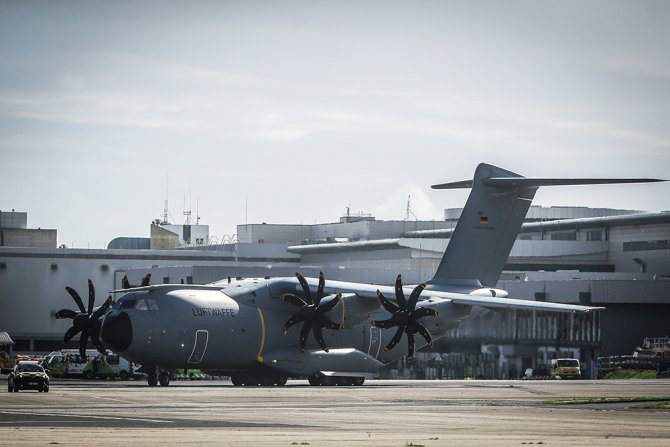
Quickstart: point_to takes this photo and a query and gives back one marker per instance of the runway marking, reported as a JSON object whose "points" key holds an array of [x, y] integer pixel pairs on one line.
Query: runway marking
{"points": [[111, 418]]}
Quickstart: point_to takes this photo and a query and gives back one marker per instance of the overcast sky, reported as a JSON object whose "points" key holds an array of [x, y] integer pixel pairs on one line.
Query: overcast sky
{"points": [[291, 111]]}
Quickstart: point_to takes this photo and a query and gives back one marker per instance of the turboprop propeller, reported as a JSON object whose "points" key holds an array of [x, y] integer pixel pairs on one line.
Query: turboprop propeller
{"points": [[405, 316], [85, 321], [126, 284], [312, 311]]}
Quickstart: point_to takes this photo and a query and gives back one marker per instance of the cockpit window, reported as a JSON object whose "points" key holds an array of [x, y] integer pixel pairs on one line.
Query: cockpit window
{"points": [[127, 304], [146, 304]]}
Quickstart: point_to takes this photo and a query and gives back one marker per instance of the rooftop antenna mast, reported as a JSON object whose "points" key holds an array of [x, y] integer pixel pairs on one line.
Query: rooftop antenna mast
{"points": [[186, 212], [165, 205], [409, 211]]}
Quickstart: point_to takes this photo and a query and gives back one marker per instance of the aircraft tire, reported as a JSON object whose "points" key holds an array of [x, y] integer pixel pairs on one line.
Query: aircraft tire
{"points": [[314, 380], [152, 379], [164, 379], [267, 380], [280, 380], [358, 381], [252, 380], [342, 381], [236, 379]]}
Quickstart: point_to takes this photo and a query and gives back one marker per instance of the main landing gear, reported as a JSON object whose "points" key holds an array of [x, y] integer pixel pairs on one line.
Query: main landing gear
{"points": [[321, 380], [257, 379], [154, 378]]}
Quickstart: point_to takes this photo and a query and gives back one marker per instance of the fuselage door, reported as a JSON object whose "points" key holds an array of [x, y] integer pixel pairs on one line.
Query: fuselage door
{"points": [[375, 341], [199, 347]]}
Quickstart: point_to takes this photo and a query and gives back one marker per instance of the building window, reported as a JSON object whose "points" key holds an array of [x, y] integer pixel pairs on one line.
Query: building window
{"points": [[596, 235], [564, 236], [646, 245]]}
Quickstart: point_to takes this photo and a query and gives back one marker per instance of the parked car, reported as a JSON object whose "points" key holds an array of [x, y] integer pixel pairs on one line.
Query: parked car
{"points": [[28, 375]]}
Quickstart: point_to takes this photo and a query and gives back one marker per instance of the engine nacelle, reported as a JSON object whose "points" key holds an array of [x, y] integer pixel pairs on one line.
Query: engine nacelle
{"points": [[353, 309], [490, 293]]}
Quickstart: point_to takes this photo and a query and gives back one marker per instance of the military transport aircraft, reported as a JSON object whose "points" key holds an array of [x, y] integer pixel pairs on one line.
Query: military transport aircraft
{"points": [[263, 331]]}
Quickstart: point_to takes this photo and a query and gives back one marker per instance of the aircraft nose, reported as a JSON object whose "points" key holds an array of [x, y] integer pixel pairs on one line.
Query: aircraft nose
{"points": [[117, 331]]}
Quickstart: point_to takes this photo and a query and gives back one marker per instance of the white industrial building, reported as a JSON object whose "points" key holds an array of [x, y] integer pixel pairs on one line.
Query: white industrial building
{"points": [[615, 258]]}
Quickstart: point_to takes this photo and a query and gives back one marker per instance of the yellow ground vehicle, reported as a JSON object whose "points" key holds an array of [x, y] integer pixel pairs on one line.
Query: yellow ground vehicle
{"points": [[566, 369]]}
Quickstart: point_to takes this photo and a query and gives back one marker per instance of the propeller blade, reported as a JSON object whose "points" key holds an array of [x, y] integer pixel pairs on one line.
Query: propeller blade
{"points": [[69, 334], [91, 297], [293, 299], [102, 309], [328, 306], [77, 299], [125, 283], [396, 338], [326, 322], [293, 319], [318, 335], [83, 343], [384, 324], [410, 345], [421, 329], [414, 296], [319, 290], [304, 332], [388, 305], [146, 279], [95, 337], [305, 288], [65, 313], [424, 312], [399, 294]]}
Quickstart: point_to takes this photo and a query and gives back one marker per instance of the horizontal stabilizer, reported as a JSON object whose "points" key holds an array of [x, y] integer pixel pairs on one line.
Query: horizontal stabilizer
{"points": [[525, 182]]}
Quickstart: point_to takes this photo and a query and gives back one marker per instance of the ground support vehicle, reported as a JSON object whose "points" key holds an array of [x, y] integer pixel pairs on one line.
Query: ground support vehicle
{"points": [[69, 363], [566, 369]]}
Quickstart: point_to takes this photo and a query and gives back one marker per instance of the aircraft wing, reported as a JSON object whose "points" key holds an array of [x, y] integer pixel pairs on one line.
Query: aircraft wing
{"points": [[370, 291], [511, 303]]}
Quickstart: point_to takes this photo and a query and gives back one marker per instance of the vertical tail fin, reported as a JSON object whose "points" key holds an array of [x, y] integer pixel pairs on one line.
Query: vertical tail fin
{"points": [[490, 222]]}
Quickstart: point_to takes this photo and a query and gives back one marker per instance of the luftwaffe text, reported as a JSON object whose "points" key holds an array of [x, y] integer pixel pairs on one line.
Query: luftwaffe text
{"points": [[212, 312]]}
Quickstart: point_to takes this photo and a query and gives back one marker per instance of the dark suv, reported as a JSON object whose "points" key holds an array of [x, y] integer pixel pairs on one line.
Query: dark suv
{"points": [[28, 376]]}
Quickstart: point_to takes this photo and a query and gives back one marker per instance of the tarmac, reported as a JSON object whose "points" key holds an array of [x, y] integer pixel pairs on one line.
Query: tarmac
{"points": [[380, 413]]}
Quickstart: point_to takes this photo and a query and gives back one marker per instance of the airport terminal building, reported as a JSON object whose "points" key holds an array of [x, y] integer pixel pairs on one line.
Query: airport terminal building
{"points": [[618, 259]]}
